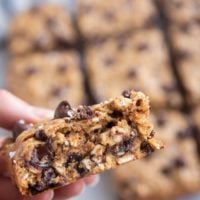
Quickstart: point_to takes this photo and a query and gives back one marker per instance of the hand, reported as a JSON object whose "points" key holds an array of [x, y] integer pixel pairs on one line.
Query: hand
{"points": [[11, 110]]}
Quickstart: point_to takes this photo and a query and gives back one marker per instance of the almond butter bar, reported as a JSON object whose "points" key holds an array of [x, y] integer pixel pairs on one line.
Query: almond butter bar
{"points": [[41, 28], [179, 11], [138, 60], [80, 142], [45, 79], [168, 174], [186, 49], [97, 18]]}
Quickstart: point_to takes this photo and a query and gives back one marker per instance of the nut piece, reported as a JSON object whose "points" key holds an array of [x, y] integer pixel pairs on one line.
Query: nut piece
{"points": [[125, 159]]}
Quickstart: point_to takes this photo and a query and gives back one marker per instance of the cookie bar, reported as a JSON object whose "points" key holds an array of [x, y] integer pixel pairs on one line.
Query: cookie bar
{"points": [[179, 11], [97, 18], [44, 79], [138, 60], [167, 174], [81, 142], [186, 48], [51, 27]]}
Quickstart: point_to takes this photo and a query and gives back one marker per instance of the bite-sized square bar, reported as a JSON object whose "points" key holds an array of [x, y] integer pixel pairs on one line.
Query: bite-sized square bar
{"points": [[41, 28], [80, 142], [44, 79], [138, 60], [186, 48], [167, 174], [98, 18], [181, 10]]}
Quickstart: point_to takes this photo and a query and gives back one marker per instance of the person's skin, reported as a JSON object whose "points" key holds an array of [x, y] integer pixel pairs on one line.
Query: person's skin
{"points": [[11, 110]]}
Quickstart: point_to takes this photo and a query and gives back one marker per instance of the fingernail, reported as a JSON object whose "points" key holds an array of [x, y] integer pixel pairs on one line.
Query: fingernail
{"points": [[42, 113], [96, 182]]}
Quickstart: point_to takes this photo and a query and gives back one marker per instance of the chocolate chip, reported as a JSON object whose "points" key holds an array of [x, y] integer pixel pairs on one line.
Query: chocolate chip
{"points": [[46, 181], [62, 68], [169, 88], [35, 9], [48, 174], [40, 135], [73, 158], [139, 102], [84, 112], [183, 134], [42, 152], [19, 127], [179, 163], [116, 114], [108, 61], [109, 16], [40, 41], [151, 134], [185, 27], [81, 170], [146, 147], [166, 170], [41, 156], [142, 47], [124, 146], [63, 110], [126, 94], [124, 184], [56, 91], [37, 188], [86, 9], [161, 119], [132, 73], [152, 21], [31, 70], [51, 22], [110, 124], [183, 55], [178, 4], [122, 43]]}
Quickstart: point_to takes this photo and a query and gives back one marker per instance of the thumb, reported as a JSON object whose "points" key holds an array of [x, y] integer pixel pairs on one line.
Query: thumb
{"points": [[12, 109]]}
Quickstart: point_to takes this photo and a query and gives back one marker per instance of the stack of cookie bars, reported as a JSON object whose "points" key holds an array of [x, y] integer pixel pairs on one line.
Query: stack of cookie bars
{"points": [[146, 45]]}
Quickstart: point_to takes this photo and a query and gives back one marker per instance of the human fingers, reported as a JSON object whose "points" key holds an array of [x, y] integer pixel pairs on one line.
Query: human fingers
{"points": [[48, 195], [13, 109], [91, 180], [8, 190], [69, 191]]}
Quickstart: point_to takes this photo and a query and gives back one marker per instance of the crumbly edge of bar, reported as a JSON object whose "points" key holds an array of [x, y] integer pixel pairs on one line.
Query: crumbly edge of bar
{"points": [[60, 151]]}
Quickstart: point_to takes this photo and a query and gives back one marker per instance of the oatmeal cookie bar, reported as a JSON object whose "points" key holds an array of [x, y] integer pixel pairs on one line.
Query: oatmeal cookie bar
{"points": [[44, 79], [139, 60], [42, 28], [178, 11], [98, 18], [80, 142], [167, 174], [186, 49]]}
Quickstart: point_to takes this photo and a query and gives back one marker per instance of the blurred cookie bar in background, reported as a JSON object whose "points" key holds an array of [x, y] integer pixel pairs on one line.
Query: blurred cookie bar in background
{"points": [[167, 174], [41, 28], [98, 18], [44, 79], [138, 60]]}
